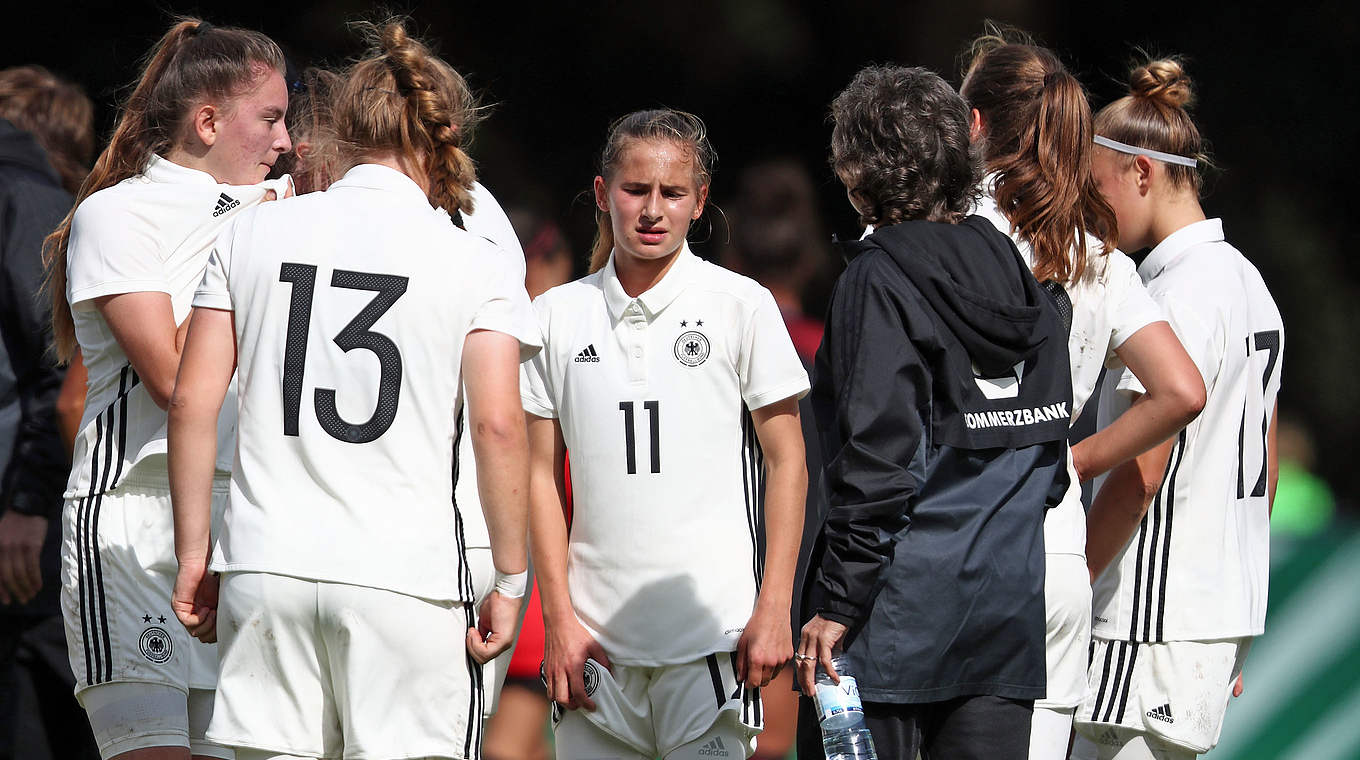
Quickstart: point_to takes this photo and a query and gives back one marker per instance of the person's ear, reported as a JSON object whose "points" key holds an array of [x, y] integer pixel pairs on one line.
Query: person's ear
{"points": [[203, 123], [1143, 169], [976, 129], [601, 194], [703, 198]]}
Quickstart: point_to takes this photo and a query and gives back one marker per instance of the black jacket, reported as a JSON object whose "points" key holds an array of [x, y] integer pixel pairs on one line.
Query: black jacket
{"points": [[943, 398], [33, 462]]}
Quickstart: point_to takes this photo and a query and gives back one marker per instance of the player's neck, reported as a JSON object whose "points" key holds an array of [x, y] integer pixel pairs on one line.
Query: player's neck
{"points": [[1176, 213], [637, 275]]}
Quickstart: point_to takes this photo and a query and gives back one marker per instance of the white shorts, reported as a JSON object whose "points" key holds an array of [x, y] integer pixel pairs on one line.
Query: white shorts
{"points": [[664, 711], [330, 670], [1176, 691], [1067, 638], [118, 572]]}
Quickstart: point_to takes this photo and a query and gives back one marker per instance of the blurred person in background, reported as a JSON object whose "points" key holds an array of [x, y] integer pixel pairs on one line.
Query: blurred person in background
{"points": [[1031, 124], [778, 240], [1304, 504], [46, 143], [518, 730], [1175, 611]]}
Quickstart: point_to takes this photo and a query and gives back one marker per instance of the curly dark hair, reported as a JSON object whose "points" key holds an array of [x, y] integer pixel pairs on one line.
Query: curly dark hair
{"points": [[900, 144]]}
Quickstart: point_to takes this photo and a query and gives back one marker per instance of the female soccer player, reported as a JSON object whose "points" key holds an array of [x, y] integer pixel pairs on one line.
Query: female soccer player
{"points": [[1032, 123], [355, 315], [1181, 587], [202, 127], [674, 385]]}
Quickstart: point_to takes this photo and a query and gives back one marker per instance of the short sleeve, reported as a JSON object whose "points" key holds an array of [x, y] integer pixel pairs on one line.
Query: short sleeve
{"points": [[1193, 333], [768, 365], [1130, 306], [504, 305], [112, 251], [213, 292], [534, 386]]}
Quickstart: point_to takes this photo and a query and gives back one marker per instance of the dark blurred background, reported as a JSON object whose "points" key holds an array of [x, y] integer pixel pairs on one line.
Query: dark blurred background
{"points": [[1273, 82]]}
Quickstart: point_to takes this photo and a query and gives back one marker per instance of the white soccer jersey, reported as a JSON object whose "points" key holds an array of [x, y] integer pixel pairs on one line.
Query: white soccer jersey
{"points": [[151, 232], [351, 309], [1109, 304], [1197, 567], [653, 394], [487, 220]]}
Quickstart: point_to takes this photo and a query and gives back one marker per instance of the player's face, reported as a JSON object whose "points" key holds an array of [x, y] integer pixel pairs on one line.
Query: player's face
{"points": [[651, 199], [250, 134], [1118, 182], [853, 193]]}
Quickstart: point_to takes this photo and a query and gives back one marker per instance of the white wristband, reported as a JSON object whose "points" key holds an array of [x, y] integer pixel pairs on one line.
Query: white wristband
{"points": [[512, 585]]}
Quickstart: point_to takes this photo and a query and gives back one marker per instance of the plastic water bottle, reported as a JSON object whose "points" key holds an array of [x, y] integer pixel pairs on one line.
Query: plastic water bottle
{"points": [[841, 714]]}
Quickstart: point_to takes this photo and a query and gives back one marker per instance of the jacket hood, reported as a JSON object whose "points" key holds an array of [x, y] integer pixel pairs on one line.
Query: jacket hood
{"points": [[21, 149], [966, 273]]}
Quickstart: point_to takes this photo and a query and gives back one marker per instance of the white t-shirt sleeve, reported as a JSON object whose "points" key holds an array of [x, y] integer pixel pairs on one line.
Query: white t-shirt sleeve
{"points": [[504, 304], [535, 389], [768, 364], [1197, 337], [1130, 306], [212, 292], [111, 251]]}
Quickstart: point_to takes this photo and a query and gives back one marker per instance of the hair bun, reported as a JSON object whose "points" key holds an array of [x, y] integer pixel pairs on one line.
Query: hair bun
{"points": [[392, 36], [1162, 80]]}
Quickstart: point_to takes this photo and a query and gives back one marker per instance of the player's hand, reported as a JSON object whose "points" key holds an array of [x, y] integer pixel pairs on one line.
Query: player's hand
{"points": [[1238, 688], [21, 541], [495, 631], [765, 646], [819, 637], [566, 648], [194, 599]]}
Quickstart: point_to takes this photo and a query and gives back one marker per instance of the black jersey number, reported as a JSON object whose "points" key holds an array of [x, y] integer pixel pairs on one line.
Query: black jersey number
{"points": [[1268, 341], [356, 334], [630, 438]]}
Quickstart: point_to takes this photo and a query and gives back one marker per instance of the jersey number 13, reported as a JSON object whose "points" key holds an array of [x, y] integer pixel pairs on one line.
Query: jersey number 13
{"points": [[356, 334]]}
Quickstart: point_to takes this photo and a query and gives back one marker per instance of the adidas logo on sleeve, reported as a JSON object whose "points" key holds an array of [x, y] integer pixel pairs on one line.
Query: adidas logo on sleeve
{"points": [[225, 203], [1162, 713], [715, 748], [588, 354]]}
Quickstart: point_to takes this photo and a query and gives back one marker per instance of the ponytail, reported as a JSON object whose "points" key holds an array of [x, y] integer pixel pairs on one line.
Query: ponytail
{"points": [[193, 60], [1037, 144], [402, 98]]}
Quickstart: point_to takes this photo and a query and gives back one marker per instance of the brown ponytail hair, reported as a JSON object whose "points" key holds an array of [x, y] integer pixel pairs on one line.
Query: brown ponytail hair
{"points": [[680, 127], [403, 98], [1153, 115], [1037, 141], [193, 61], [54, 111]]}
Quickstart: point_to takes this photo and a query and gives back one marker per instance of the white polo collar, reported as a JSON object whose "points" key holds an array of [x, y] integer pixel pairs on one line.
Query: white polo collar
{"points": [[160, 169], [1177, 243], [379, 177], [660, 295]]}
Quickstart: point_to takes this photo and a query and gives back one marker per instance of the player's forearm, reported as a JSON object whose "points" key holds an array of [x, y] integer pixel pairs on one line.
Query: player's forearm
{"points": [[192, 461], [547, 518], [1120, 505], [1150, 421], [501, 451], [785, 497]]}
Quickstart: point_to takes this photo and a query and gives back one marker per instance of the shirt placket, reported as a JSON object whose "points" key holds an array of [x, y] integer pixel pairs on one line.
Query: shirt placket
{"points": [[635, 341]]}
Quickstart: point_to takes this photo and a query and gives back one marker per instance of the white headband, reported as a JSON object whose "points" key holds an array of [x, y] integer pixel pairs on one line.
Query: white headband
{"points": [[1170, 158]]}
